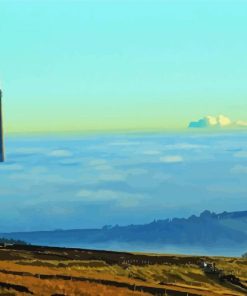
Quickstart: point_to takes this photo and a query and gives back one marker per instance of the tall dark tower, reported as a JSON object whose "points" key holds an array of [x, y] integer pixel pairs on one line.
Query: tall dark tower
{"points": [[1, 130]]}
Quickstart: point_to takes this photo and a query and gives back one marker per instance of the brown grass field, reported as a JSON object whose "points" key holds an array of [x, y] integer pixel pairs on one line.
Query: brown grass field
{"points": [[29, 270]]}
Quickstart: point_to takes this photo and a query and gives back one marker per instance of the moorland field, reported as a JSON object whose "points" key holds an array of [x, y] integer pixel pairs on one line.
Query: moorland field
{"points": [[34, 270]]}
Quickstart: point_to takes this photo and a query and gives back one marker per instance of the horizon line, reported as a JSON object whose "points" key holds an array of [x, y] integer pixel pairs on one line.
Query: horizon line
{"points": [[129, 131]]}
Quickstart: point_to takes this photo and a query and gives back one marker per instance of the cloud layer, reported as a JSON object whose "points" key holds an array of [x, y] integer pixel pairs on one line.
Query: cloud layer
{"points": [[96, 180]]}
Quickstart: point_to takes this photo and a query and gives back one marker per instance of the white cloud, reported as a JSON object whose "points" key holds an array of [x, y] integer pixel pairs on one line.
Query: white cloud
{"points": [[98, 195], [241, 123], [130, 201], [10, 167], [171, 159], [184, 146], [211, 121], [223, 120], [28, 150], [39, 175], [241, 154], [124, 143], [97, 161], [151, 152], [37, 170], [100, 164], [239, 169], [124, 199], [217, 122], [84, 193], [60, 153], [226, 189], [113, 176], [161, 177], [136, 172]]}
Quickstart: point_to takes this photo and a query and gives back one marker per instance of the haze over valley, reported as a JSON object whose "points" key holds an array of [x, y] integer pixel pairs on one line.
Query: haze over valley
{"points": [[88, 181]]}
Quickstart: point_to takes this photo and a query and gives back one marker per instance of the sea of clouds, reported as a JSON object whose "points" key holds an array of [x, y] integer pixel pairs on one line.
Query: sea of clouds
{"points": [[87, 181]]}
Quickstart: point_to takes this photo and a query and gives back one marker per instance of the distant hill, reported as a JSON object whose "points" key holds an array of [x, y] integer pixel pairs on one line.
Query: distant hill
{"points": [[209, 230]]}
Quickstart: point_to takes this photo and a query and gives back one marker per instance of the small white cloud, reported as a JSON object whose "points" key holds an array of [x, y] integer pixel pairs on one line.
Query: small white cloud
{"points": [[239, 169], [136, 172], [161, 177], [38, 170], [39, 175], [226, 189], [58, 210], [97, 162], [171, 159], [29, 150], [124, 199], [241, 123], [151, 152], [223, 121], [60, 153], [98, 195], [184, 146], [113, 176], [124, 143], [100, 165], [129, 202], [84, 193], [10, 167], [241, 154]]}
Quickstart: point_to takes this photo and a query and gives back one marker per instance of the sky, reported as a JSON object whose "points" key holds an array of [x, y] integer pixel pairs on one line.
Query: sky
{"points": [[121, 65]]}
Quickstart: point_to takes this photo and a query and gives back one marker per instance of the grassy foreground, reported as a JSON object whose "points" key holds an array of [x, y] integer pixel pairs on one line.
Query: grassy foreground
{"points": [[30, 270]]}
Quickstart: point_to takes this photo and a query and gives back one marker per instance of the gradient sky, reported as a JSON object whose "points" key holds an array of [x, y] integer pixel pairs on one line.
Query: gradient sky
{"points": [[95, 65]]}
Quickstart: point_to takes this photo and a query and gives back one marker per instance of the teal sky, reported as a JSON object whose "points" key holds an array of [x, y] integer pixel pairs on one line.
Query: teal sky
{"points": [[106, 65]]}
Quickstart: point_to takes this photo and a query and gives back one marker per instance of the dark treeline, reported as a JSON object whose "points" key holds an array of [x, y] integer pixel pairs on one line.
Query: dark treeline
{"points": [[11, 241]]}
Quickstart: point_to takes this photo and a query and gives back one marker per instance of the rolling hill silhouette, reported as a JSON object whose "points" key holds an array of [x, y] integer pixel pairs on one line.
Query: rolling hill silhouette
{"points": [[227, 229]]}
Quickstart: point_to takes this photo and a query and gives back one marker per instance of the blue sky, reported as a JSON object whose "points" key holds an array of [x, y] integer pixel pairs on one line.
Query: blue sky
{"points": [[77, 182], [104, 65]]}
